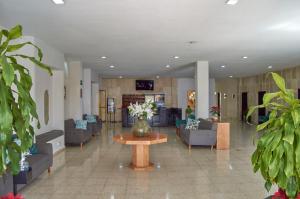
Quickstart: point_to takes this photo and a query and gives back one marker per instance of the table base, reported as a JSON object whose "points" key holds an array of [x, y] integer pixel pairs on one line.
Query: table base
{"points": [[150, 167], [140, 158]]}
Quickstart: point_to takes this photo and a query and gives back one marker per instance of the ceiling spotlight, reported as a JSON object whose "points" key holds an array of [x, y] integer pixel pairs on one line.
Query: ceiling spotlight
{"points": [[245, 57], [167, 66], [111, 66], [103, 57], [121, 77], [176, 57], [223, 66], [58, 1], [157, 76], [192, 42], [230, 76], [269, 67], [232, 2]]}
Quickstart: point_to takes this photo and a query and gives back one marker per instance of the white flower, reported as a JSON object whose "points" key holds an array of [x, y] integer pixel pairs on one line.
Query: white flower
{"points": [[142, 110]]}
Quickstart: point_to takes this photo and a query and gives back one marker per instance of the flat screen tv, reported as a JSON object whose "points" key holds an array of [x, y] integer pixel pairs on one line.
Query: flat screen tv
{"points": [[144, 85]]}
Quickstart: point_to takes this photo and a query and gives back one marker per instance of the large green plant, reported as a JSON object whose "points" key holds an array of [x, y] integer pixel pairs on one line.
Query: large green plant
{"points": [[277, 155], [17, 108]]}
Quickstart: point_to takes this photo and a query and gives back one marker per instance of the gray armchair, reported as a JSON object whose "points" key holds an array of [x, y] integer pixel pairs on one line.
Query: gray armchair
{"points": [[94, 127], [205, 135], [6, 184], [76, 136]]}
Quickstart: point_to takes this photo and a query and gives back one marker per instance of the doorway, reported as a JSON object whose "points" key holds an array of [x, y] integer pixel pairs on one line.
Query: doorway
{"points": [[261, 111], [219, 103], [244, 105]]}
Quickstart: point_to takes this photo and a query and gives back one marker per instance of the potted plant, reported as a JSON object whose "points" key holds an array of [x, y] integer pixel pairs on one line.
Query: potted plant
{"points": [[215, 113], [12, 196], [141, 112], [277, 154], [18, 109]]}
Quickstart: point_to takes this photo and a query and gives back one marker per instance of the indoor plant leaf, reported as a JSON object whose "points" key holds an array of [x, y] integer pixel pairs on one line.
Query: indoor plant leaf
{"points": [[7, 70], [277, 153], [18, 109]]}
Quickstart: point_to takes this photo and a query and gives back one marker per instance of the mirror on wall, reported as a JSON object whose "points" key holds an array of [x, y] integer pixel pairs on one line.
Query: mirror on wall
{"points": [[46, 107]]}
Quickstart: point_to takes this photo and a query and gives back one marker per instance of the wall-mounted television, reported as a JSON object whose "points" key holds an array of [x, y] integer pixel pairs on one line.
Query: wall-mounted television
{"points": [[144, 85]]}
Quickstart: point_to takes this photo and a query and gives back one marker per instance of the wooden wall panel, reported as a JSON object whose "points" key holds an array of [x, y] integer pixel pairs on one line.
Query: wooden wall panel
{"points": [[252, 85], [117, 87]]}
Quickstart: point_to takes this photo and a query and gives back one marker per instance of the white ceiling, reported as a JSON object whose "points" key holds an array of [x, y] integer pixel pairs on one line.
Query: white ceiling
{"points": [[140, 37]]}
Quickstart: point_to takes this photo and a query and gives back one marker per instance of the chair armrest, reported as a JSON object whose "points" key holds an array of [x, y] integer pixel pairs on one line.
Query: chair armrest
{"points": [[45, 148]]}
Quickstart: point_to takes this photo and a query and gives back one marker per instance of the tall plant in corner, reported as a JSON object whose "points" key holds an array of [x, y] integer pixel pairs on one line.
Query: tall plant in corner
{"points": [[17, 108], [277, 154]]}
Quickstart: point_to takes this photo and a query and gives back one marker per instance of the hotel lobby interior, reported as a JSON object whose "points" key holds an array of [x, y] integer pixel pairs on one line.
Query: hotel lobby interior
{"points": [[149, 99]]}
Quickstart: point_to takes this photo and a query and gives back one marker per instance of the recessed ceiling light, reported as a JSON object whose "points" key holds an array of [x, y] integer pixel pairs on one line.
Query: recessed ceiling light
{"points": [[167, 66], [230, 76], [111, 66], [270, 67], [176, 57], [223, 66], [157, 76], [103, 57], [120, 76], [192, 42], [245, 57], [58, 1], [232, 2]]}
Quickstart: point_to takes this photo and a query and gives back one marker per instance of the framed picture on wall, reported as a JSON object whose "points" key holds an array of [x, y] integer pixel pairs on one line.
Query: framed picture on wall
{"points": [[191, 98]]}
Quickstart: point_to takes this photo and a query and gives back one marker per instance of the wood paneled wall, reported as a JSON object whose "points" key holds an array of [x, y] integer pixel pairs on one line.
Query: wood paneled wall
{"points": [[252, 85], [117, 87]]}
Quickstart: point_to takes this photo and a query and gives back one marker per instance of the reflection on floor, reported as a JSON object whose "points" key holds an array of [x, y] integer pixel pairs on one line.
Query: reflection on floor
{"points": [[100, 171]]}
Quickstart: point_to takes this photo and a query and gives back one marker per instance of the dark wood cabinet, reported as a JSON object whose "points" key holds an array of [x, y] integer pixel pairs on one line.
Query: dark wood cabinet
{"points": [[163, 117]]}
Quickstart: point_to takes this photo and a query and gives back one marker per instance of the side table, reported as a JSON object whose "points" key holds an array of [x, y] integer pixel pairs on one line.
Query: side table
{"points": [[23, 177]]}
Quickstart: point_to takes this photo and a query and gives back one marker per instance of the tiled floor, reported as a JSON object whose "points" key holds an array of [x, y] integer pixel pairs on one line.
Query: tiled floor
{"points": [[100, 171]]}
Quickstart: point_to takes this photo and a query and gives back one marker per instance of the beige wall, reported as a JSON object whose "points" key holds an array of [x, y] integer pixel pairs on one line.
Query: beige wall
{"points": [[252, 85], [228, 87], [115, 88]]}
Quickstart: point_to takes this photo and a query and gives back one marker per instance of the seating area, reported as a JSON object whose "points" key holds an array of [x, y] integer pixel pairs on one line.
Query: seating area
{"points": [[149, 99]]}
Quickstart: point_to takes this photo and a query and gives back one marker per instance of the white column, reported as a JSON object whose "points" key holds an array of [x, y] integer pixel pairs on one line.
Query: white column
{"points": [[58, 99], [74, 104], [202, 89], [87, 91]]}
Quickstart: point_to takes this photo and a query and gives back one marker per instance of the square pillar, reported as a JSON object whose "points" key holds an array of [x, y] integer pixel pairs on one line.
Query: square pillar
{"points": [[202, 89]]}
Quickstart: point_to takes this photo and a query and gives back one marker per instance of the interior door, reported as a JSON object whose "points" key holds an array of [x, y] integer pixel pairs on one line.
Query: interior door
{"points": [[102, 105], [219, 98], [261, 111], [244, 105]]}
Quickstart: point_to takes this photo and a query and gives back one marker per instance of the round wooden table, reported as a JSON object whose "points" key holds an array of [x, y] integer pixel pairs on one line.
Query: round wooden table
{"points": [[140, 148]]}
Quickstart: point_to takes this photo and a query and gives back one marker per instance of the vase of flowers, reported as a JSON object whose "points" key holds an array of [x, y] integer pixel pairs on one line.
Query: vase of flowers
{"points": [[215, 113], [141, 112]]}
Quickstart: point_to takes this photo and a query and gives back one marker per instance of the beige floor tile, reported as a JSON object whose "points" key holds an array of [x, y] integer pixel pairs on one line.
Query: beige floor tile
{"points": [[100, 171]]}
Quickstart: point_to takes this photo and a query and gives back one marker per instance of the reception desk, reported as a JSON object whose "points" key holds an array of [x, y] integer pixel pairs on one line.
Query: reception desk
{"points": [[163, 117]]}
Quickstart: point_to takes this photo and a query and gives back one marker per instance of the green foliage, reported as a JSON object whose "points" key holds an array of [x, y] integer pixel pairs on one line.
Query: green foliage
{"points": [[18, 110], [277, 154]]}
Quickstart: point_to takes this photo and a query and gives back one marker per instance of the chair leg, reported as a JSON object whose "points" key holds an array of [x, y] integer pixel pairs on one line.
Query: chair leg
{"points": [[49, 170], [212, 147], [190, 147], [81, 145]]}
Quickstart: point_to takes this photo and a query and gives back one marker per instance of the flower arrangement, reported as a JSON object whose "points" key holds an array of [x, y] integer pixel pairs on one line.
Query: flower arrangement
{"points": [[215, 110], [142, 111], [11, 196]]}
